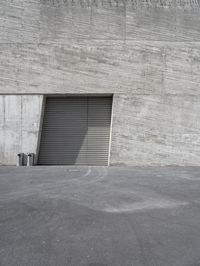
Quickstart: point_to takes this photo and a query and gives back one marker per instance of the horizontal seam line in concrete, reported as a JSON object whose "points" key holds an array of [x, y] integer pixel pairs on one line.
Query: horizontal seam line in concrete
{"points": [[100, 93], [103, 39]]}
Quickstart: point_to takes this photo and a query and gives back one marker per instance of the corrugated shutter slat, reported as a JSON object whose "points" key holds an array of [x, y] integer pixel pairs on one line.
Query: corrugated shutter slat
{"points": [[76, 130]]}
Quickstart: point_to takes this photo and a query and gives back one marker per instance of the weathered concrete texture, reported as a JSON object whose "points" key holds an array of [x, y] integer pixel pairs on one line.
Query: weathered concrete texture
{"points": [[101, 67], [19, 126], [58, 21], [99, 46], [146, 129], [156, 130], [99, 216], [147, 53]]}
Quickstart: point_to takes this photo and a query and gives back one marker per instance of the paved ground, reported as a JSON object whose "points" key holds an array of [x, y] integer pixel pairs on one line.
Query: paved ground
{"points": [[98, 216]]}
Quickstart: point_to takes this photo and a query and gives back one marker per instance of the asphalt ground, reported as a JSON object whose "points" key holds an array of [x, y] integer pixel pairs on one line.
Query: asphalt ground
{"points": [[100, 216]]}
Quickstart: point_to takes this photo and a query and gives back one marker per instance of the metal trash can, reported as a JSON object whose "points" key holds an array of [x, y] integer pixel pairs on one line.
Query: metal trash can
{"points": [[20, 159], [30, 159]]}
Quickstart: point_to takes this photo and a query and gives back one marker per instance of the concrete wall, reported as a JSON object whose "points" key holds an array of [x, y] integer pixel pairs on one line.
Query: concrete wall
{"points": [[81, 46], [156, 130], [147, 53], [19, 124]]}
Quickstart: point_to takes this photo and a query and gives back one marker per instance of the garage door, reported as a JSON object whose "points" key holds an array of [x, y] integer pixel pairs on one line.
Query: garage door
{"points": [[76, 131]]}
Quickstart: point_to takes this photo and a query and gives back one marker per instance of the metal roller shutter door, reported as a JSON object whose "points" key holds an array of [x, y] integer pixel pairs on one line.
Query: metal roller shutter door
{"points": [[76, 131], [98, 134]]}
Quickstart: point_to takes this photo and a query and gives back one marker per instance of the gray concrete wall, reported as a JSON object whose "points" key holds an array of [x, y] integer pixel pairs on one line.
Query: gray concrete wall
{"points": [[147, 53], [19, 124], [156, 130], [78, 46]]}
